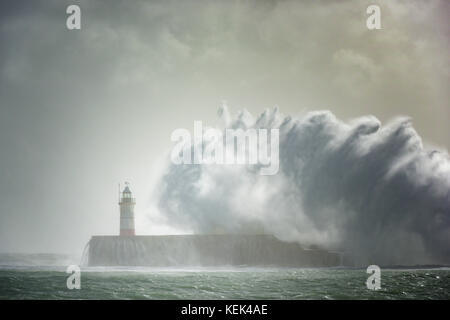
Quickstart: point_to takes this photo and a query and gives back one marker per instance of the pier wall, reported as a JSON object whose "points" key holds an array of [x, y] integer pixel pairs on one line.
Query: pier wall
{"points": [[205, 250]]}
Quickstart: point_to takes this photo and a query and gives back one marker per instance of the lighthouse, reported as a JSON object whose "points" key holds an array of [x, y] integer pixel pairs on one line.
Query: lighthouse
{"points": [[126, 203]]}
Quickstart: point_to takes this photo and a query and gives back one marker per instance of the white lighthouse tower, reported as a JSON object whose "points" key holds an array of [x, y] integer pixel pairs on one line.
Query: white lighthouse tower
{"points": [[126, 203]]}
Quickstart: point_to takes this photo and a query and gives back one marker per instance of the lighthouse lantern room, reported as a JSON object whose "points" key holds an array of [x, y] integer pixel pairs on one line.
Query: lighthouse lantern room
{"points": [[126, 203]]}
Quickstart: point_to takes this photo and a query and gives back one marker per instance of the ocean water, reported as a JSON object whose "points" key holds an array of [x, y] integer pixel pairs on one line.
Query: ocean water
{"points": [[49, 282]]}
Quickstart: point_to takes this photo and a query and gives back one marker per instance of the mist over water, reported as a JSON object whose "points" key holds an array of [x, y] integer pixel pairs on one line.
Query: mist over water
{"points": [[369, 189]]}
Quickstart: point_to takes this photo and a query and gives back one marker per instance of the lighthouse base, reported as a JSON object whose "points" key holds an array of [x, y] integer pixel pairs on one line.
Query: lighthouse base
{"points": [[127, 232]]}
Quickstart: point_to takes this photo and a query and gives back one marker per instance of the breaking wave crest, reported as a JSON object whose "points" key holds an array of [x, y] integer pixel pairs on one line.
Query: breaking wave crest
{"points": [[361, 187]]}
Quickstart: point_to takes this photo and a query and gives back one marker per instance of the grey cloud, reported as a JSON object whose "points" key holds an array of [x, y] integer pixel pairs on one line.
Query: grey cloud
{"points": [[81, 110]]}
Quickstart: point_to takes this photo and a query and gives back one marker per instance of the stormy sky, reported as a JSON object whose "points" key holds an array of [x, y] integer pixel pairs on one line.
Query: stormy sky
{"points": [[81, 110]]}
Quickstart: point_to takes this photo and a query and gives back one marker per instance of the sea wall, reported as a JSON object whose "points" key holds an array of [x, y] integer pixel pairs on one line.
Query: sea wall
{"points": [[205, 250]]}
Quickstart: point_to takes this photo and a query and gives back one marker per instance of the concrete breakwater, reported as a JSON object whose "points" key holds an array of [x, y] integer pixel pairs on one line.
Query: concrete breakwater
{"points": [[205, 250]]}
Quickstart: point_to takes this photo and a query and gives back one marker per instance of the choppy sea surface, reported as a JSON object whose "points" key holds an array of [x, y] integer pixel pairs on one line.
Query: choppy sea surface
{"points": [[39, 281]]}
